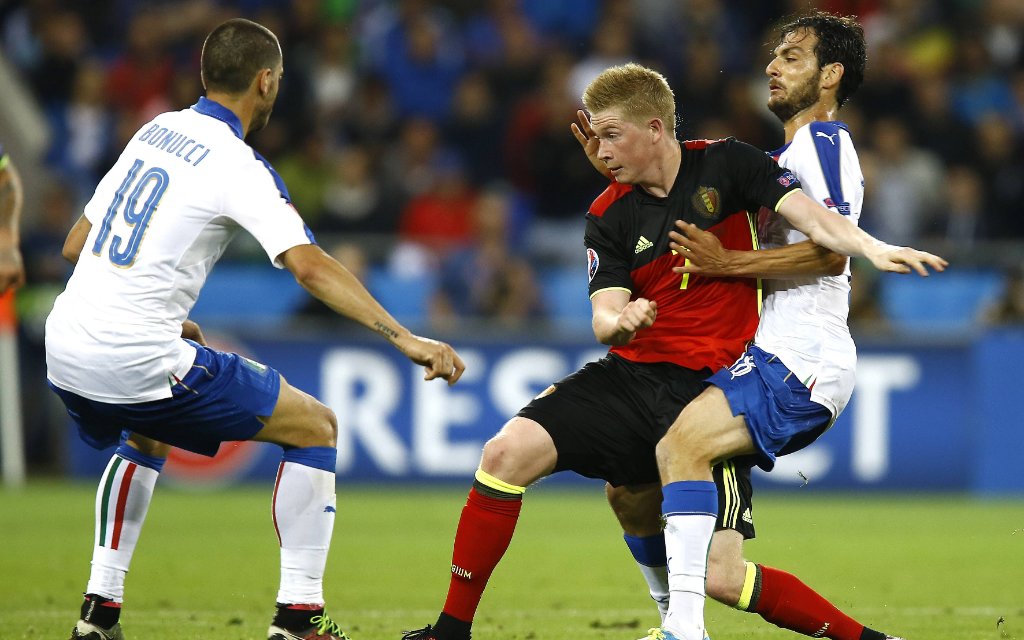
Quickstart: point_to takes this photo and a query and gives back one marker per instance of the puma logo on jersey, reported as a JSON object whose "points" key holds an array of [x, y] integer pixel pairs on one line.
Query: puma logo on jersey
{"points": [[820, 633], [822, 134], [462, 573], [643, 244]]}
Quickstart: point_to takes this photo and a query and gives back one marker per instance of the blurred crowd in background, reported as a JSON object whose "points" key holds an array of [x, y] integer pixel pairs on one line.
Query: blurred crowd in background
{"points": [[429, 142]]}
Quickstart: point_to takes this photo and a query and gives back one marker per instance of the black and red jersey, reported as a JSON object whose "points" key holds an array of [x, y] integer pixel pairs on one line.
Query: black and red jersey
{"points": [[701, 322]]}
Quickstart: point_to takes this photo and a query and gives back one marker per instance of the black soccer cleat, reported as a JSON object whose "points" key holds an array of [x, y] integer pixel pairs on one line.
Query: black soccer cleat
{"points": [[426, 633], [89, 631]]}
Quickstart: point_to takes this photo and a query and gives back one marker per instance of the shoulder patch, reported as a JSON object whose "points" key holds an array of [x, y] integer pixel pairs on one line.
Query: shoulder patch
{"points": [[615, 191]]}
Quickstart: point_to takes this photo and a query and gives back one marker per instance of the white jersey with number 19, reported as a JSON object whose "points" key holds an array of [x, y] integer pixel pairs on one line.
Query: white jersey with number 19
{"points": [[161, 217], [804, 321]]}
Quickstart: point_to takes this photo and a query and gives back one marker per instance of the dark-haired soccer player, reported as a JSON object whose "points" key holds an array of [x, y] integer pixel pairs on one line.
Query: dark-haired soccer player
{"points": [[603, 420], [116, 351], [777, 596], [797, 376]]}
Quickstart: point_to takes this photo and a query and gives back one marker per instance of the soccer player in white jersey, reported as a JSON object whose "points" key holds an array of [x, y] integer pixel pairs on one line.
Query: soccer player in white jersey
{"points": [[797, 376], [777, 596], [116, 346]]}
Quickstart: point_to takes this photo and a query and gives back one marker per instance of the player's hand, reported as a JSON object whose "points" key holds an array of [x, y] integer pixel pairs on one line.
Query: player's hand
{"points": [[438, 358], [703, 250], [585, 136], [904, 259], [637, 314], [12, 270], [190, 330]]}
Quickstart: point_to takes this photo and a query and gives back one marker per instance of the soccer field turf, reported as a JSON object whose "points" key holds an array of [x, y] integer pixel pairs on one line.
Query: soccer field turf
{"points": [[925, 567]]}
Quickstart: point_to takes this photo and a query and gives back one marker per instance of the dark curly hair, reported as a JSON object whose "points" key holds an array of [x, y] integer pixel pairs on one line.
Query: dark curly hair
{"points": [[840, 39]]}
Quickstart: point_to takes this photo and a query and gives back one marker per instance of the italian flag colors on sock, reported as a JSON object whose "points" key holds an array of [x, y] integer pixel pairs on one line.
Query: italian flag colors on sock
{"points": [[112, 501]]}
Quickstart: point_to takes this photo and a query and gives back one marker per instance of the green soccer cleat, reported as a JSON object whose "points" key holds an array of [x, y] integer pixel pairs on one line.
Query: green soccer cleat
{"points": [[323, 628], [88, 631], [659, 633]]}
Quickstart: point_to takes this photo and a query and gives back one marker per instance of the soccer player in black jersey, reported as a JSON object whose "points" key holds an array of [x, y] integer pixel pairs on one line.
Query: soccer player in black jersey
{"points": [[806, 45], [604, 420]]}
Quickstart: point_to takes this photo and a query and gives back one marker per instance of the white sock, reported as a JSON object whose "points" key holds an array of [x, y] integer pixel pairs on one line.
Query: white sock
{"points": [[122, 500], [687, 538], [304, 508], [657, 583]]}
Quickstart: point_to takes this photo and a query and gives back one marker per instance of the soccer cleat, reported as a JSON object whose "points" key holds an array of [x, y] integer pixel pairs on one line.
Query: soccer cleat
{"points": [[426, 633], [88, 631], [323, 628]]}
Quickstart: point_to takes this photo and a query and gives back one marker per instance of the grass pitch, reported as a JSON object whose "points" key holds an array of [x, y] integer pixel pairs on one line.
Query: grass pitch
{"points": [[924, 567]]}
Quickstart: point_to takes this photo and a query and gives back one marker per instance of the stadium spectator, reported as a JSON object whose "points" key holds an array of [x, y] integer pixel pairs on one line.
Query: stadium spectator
{"points": [[906, 183], [488, 280], [601, 421], [161, 384]]}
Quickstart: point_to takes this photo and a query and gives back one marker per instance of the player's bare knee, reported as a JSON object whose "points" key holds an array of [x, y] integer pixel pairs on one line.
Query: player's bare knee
{"points": [[500, 456], [327, 423]]}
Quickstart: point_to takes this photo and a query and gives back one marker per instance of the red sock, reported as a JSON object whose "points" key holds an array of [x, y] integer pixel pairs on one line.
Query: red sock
{"points": [[787, 602], [484, 533]]}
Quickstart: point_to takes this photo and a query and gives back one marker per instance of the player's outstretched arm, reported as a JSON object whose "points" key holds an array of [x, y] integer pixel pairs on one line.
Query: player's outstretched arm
{"points": [[329, 281], [588, 141], [12, 268], [839, 234], [616, 318], [706, 256]]}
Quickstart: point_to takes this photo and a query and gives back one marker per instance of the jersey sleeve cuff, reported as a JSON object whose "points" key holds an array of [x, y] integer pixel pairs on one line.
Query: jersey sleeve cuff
{"points": [[785, 197], [610, 289]]}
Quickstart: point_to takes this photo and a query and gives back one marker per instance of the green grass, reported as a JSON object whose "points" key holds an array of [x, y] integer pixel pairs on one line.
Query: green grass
{"points": [[928, 568]]}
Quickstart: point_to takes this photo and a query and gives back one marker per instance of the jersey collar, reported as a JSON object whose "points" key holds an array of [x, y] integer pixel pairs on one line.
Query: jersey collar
{"points": [[216, 110]]}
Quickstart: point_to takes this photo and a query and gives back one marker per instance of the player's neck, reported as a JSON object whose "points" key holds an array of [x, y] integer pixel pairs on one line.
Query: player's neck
{"points": [[240, 105], [817, 112], [660, 182]]}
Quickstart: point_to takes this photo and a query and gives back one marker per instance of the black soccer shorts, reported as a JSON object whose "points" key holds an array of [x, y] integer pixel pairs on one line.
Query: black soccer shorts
{"points": [[606, 419]]}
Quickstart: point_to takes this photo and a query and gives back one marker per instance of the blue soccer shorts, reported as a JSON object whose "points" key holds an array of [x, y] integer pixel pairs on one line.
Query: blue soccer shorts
{"points": [[220, 399], [777, 407]]}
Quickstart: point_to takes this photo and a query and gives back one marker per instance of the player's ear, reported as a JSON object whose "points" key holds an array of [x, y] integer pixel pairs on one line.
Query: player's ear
{"points": [[656, 128], [831, 75], [265, 80]]}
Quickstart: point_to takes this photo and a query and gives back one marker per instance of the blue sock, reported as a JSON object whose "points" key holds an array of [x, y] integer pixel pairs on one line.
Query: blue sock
{"points": [[131, 454], [323, 458], [647, 550], [690, 497]]}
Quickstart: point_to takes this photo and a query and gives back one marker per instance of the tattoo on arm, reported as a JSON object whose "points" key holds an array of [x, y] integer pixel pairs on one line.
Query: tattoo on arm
{"points": [[385, 330]]}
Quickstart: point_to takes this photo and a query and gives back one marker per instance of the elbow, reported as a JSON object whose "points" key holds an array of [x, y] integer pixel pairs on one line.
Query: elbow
{"points": [[71, 254], [836, 265]]}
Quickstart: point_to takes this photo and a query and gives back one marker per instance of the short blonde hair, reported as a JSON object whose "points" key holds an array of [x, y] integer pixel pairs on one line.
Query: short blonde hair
{"points": [[640, 93]]}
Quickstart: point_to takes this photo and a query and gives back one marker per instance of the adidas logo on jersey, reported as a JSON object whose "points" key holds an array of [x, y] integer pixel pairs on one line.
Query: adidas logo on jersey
{"points": [[747, 517], [643, 244]]}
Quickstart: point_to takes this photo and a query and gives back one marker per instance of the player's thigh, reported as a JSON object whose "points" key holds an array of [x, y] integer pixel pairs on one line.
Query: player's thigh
{"points": [[299, 420], [521, 453], [707, 429], [148, 446], [637, 507]]}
